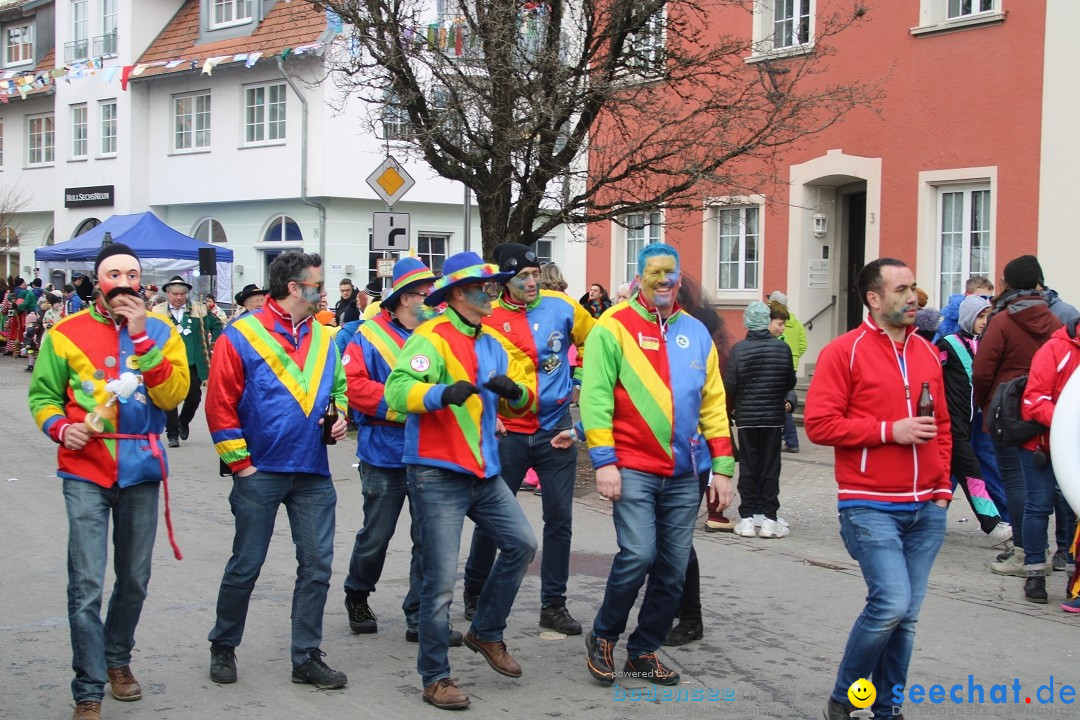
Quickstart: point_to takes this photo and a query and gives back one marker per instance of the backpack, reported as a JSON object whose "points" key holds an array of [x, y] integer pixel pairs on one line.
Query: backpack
{"points": [[1007, 426]]}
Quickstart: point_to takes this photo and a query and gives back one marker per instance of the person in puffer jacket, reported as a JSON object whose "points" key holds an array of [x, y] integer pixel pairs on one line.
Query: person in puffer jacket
{"points": [[760, 373]]}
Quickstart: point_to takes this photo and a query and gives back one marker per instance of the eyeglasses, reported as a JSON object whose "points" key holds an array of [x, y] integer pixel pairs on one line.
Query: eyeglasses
{"points": [[318, 285], [490, 287]]}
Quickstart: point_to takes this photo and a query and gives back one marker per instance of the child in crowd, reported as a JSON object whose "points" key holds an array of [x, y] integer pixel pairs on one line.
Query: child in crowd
{"points": [[760, 374], [957, 356]]}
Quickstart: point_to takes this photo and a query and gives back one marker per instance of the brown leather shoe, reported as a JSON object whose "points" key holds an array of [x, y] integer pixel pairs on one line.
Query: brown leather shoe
{"points": [[445, 695], [87, 710], [123, 685], [496, 655]]}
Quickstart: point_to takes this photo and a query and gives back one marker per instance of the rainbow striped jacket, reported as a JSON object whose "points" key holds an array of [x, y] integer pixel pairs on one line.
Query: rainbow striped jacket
{"points": [[269, 385], [368, 359], [461, 438], [649, 388], [538, 338], [78, 356]]}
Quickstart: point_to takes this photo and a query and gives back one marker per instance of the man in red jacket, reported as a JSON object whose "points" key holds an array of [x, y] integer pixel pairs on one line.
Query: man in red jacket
{"points": [[892, 471]]}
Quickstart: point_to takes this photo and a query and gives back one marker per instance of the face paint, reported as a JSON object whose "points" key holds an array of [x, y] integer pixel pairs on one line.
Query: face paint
{"points": [[660, 280], [479, 299], [525, 286]]}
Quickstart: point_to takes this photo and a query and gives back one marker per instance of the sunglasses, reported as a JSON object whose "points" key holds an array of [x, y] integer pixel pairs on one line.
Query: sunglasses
{"points": [[512, 263], [318, 286]]}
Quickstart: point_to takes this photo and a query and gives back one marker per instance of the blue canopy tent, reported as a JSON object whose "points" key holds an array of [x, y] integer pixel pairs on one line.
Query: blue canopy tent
{"points": [[164, 252]]}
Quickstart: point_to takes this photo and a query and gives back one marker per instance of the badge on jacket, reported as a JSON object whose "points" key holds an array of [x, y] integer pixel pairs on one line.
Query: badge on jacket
{"points": [[648, 343]]}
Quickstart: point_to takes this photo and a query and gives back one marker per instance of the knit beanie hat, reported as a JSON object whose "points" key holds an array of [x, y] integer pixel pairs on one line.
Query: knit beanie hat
{"points": [[779, 297], [1023, 273], [970, 308], [113, 249], [756, 316]]}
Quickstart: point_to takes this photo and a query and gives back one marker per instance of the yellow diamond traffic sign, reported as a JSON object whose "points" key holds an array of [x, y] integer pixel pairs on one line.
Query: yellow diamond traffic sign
{"points": [[390, 181]]}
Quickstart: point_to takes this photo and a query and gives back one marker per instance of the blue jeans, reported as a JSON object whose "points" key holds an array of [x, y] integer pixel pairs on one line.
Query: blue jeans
{"points": [[385, 491], [1038, 507], [1012, 475], [654, 527], [310, 501], [557, 470], [441, 501], [96, 646], [895, 551], [791, 435]]}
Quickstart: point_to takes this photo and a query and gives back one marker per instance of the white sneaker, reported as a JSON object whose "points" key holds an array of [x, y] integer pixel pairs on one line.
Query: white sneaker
{"points": [[745, 528], [758, 519], [1001, 534], [774, 529]]}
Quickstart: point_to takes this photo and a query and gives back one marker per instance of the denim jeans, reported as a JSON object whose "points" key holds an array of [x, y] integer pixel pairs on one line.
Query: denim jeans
{"points": [[310, 501], [895, 551], [1012, 475], [1038, 507], [96, 646], [441, 501], [654, 527], [557, 470], [385, 491], [791, 435]]}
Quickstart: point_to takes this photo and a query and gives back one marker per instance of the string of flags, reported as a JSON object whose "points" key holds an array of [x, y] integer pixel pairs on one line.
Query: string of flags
{"points": [[23, 83]]}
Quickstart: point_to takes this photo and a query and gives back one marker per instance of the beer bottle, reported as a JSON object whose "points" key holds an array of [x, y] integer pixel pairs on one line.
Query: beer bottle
{"points": [[926, 402], [329, 418]]}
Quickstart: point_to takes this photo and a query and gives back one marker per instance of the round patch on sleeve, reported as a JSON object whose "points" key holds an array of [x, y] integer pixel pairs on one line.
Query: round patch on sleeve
{"points": [[682, 341], [420, 363], [346, 360]]}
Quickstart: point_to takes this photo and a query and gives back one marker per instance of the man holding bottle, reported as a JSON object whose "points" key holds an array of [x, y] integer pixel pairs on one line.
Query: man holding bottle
{"points": [[272, 377], [892, 470]]}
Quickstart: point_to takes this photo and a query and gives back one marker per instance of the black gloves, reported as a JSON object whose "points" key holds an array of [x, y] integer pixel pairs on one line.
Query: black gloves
{"points": [[458, 393], [504, 387]]}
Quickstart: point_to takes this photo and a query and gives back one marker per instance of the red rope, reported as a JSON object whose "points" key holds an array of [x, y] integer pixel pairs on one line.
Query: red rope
{"points": [[156, 451]]}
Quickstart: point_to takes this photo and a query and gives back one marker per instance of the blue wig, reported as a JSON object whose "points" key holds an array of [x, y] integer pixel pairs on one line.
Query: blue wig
{"points": [[654, 250]]}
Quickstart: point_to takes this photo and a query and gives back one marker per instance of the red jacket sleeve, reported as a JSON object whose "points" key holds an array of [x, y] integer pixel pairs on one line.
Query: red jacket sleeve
{"points": [[826, 412], [1041, 393], [224, 388], [364, 394]]}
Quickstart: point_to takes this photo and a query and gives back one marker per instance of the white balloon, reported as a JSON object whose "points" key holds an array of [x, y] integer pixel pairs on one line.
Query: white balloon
{"points": [[1065, 441]]}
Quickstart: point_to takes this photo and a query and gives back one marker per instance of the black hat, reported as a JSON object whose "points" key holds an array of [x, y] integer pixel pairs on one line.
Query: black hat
{"points": [[1023, 273], [514, 257], [113, 249], [176, 280], [248, 292], [374, 289]]}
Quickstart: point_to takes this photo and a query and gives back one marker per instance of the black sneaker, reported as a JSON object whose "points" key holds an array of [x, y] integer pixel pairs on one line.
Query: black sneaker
{"points": [[1035, 589], [456, 638], [837, 710], [222, 664], [174, 441], [361, 620], [601, 664], [1061, 560], [557, 618], [687, 631], [316, 672], [470, 599], [648, 667], [184, 431]]}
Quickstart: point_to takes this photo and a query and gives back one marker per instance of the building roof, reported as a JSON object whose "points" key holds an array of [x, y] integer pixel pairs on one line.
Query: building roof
{"points": [[288, 25]]}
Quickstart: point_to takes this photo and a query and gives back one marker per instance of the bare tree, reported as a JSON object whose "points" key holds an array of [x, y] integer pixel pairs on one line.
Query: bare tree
{"points": [[13, 200], [578, 111]]}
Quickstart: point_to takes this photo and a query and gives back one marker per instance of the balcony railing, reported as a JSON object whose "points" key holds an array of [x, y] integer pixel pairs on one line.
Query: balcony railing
{"points": [[76, 50], [105, 45]]}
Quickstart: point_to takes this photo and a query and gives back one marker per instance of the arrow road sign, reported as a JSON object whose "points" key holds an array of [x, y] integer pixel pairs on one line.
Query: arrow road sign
{"points": [[390, 232]]}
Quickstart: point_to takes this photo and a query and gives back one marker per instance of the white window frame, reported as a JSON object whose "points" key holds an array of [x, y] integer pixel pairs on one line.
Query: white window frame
{"points": [[545, 249], [233, 8], [80, 132], [258, 109], [281, 220], [639, 227], [214, 233], [396, 126], [108, 125], [80, 30], [944, 15], [428, 257], [46, 145], [1, 143], [969, 266], [742, 212], [109, 17], [200, 107], [765, 23], [645, 51], [25, 48], [928, 238]]}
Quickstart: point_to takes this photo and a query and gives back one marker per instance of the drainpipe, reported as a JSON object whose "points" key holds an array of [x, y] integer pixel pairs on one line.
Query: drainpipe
{"points": [[304, 159]]}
